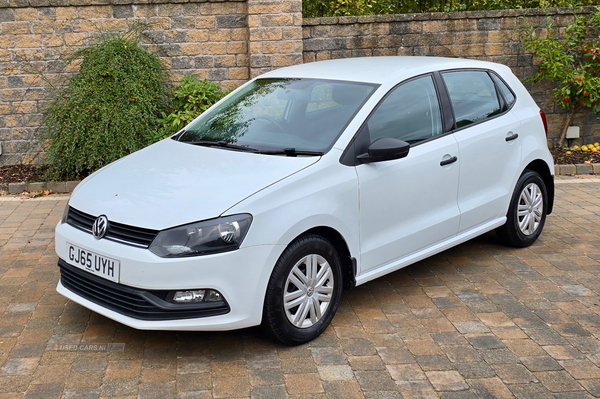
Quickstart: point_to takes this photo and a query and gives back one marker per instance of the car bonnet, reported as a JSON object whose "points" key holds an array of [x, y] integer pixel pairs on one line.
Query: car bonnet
{"points": [[171, 183]]}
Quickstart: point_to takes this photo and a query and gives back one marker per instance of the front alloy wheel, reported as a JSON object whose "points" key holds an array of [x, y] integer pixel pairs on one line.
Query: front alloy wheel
{"points": [[308, 291], [304, 291]]}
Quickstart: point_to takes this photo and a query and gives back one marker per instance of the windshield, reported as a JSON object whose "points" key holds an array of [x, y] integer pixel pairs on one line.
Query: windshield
{"points": [[289, 116]]}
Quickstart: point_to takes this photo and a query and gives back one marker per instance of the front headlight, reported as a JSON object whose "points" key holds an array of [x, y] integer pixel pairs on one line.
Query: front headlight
{"points": [[202, 238]]}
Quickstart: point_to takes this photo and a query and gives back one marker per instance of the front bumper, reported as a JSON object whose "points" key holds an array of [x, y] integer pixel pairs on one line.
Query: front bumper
{"points": [[240, 276]]}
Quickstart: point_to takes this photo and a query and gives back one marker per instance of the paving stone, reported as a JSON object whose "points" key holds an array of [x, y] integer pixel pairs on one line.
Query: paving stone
{"points": [[366, 363], [487, 320], [434, 362], [543, 363], [529, 391], [472, 370], [513, 373], [489, 388], [335, 373], [486, 342], [266, 377], [447, 380], [498, 356], [269, 392], [406, 372], [558, 381], [470, 327], [375, 381]]}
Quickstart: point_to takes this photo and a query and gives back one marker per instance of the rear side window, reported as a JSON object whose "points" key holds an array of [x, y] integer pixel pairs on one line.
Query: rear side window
{"points": [[509, 97], [473, 96]]}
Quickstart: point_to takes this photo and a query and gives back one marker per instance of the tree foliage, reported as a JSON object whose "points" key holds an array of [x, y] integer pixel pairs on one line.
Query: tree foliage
{"points": [[571, 60], [332, 8]]}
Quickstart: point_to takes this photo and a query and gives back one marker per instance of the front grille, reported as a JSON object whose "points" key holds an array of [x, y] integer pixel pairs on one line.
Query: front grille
{"points": [[130, 235], [133, 302]]}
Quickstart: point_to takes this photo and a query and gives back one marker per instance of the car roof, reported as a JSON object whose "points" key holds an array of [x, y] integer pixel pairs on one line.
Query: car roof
{"points": [[380, 70]]}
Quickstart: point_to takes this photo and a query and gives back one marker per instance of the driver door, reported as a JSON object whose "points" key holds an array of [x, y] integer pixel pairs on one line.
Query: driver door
{"points": [[407, 204]]}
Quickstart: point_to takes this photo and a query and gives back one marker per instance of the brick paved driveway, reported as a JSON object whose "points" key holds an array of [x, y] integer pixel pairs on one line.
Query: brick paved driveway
{"points": [[480, 320]]}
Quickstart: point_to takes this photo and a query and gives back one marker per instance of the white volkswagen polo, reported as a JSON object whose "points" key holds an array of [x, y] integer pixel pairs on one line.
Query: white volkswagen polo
{"points": [[302, 182]]}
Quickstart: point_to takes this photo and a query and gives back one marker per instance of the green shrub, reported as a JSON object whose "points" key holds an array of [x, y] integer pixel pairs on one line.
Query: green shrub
{"points": [[191, 98], [570, 58], [106, 111], [331, 8]]}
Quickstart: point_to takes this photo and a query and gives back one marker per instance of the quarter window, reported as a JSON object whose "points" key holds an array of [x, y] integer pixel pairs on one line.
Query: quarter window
{"points": [[509, 97], [410, 112], [473, 96]]}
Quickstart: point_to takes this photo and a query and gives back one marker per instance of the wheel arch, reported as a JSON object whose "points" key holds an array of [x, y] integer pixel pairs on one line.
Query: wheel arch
{"points": [[341, 247], [542, 169]]}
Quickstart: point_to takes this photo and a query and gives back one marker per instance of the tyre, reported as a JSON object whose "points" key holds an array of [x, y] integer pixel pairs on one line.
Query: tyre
{"points": [[304, 291], [527, 212]]}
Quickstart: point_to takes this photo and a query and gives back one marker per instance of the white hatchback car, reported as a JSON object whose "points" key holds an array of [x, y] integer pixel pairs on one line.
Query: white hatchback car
{"points": [[304, 181]]}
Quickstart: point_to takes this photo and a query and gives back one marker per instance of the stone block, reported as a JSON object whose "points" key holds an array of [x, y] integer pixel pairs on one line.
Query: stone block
{"points": [[7, 14], [36, 186], [93, 12], [16, 188], [25, 14], [237, 48], [584, 169], [15, 28], [70, 185], [214, 48], [568, 169], [56, 186], [219, 35], [596, 168]]}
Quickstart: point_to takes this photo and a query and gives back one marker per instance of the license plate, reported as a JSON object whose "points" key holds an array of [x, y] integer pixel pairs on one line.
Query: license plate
{"points": [[94, 263]]}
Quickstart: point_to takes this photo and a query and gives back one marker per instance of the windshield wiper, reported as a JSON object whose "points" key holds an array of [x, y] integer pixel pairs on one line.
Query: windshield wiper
{"points": [[222, 144], [291, 152]]}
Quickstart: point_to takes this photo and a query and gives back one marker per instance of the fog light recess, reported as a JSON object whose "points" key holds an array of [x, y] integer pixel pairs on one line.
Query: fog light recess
{"points": [[196, 296]]}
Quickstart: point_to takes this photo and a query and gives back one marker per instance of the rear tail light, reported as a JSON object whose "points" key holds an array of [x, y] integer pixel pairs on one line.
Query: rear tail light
{"points": [[543, 116]]}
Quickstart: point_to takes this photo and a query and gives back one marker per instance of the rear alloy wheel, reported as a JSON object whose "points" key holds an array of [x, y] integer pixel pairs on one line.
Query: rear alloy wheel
{"points": [[303, 292], [527, 213]]}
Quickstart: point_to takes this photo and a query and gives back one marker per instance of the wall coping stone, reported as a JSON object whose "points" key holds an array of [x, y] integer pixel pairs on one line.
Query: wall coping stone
{"points": [[425, 16], [83, 3]]}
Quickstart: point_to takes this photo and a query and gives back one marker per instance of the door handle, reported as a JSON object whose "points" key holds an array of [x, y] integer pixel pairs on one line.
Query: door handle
{"points": [[511, 137], [449, 161]]}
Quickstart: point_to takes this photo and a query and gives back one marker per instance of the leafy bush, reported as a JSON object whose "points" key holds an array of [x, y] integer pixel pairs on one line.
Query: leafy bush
{"points": [[106, 111], [191, 98], [572, 61], [330, 8]]}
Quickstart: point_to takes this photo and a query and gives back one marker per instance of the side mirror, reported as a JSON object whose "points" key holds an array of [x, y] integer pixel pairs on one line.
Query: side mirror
{"points": [[385, 149]]}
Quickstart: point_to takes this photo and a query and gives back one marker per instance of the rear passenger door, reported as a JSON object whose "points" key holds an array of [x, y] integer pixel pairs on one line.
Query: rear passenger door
{"points": [[489, 147]]}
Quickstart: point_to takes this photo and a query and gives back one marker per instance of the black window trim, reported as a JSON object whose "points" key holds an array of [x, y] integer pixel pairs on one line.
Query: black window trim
{"points": [[349, 156], [508, 107], [499, 96]]}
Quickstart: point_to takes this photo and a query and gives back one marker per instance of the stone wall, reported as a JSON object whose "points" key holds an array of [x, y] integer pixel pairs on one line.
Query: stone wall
{"points": [[231, 41], [224, 41], [486, 35]]}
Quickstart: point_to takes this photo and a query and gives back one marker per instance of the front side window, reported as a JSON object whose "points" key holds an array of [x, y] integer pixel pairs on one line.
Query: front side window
{"points": [[410, 112], [289, 115], [473, 96]]}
